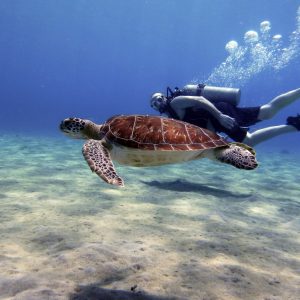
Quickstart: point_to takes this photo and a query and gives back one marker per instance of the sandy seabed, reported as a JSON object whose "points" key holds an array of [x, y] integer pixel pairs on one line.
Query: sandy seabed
{"points": [[199, 230]]}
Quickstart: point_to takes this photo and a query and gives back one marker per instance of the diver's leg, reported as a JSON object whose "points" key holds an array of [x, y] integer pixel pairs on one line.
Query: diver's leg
{"points": [[267, 111], [267, 133]]}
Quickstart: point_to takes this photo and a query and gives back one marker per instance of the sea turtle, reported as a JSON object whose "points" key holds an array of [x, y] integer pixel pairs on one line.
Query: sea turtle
{"points": [[142, 140]]}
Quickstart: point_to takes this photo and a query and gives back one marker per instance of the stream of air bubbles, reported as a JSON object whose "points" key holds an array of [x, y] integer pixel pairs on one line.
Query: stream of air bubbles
{"points": [[258, 52]]}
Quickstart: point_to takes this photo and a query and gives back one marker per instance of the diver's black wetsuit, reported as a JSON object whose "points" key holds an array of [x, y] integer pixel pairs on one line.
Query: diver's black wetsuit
{"points": [[244, 117]]}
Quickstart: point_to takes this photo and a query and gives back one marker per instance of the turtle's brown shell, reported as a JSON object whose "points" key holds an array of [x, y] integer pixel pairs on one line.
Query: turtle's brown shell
{"points": [[159, 133]]}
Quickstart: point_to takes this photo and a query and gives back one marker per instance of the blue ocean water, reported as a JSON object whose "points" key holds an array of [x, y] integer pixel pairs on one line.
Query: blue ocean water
{"points": [[199, 230], [94, 59]]}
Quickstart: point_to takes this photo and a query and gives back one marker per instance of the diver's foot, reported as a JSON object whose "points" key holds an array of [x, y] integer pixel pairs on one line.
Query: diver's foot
{"points": [[294, 121]]}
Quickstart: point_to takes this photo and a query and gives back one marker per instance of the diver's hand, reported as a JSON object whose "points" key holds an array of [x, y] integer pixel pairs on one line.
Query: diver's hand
{"points": [[227, 121]]}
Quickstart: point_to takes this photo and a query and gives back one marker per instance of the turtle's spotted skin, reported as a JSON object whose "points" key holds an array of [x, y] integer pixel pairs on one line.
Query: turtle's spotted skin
{"points": [[235, 155], [74, 126], [97, 158], [140, 140]]}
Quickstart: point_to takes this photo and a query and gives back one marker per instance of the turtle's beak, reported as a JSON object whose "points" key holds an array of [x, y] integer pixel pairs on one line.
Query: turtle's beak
{"points": [[61, 126]]}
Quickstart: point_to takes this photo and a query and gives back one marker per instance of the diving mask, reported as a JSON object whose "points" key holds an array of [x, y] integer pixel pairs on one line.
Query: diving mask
{"points": [[158, 102]]}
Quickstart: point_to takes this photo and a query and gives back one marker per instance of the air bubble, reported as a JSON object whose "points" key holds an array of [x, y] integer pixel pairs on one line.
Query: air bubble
{"points": [[265, 26], [231, 46], [251, 36], [277, 37]]}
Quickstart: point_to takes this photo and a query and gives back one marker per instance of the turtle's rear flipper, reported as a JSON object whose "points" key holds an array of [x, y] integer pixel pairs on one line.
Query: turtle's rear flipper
{"points": [[99, 160], [237, 154]]}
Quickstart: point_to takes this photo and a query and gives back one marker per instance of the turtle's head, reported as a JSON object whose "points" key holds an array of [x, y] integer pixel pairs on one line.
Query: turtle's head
{"points": [[75, 128]]}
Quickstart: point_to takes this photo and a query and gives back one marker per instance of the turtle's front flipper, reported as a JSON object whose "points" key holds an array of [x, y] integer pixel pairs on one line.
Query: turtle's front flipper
{"points": [[237, 154], [99, 160]]}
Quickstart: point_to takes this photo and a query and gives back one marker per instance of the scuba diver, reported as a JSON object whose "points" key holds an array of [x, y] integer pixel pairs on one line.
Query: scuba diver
{"points": [[216, 108]]}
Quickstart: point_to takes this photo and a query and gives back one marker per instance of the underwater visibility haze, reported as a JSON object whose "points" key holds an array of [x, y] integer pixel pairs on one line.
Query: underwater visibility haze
{"points": [[196, 230]]}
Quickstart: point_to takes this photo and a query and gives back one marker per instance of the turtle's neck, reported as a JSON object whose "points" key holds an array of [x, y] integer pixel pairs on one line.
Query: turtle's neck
{"points": [[92, 131]]}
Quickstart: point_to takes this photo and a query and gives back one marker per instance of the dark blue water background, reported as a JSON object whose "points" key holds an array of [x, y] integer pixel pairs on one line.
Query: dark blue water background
{"points": [[97, 58]]}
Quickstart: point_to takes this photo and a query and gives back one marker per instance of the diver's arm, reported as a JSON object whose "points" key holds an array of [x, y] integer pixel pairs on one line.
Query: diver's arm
{"points": [[181, 103]]}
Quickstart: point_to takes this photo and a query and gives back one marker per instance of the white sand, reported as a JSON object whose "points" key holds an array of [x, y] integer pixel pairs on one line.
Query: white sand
{"points": [[199, 230]]}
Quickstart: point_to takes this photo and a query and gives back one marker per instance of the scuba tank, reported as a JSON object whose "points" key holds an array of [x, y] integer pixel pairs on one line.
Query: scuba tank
{"points": [[211, 93]]}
